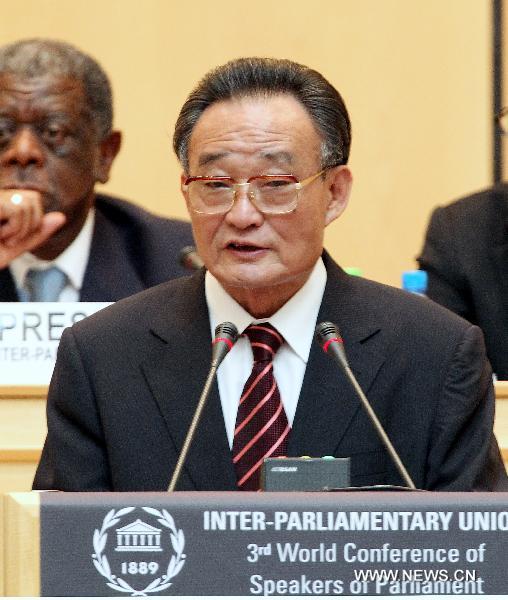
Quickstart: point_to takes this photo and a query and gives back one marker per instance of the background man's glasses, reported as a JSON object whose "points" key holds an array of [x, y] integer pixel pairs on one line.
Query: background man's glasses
{"points": [[270, 194]]}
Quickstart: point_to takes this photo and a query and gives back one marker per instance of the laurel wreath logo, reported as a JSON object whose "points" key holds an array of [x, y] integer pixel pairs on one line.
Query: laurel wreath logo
{"points": [[175, 564]]}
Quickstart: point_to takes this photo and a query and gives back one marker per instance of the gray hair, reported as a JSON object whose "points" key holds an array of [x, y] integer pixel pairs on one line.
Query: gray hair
{"points": [[39, 57], [268, 77]]}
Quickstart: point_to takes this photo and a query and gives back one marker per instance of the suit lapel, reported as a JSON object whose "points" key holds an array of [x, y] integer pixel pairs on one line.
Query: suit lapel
{"points": [[328, 403], [176, 376], [109, 274]]}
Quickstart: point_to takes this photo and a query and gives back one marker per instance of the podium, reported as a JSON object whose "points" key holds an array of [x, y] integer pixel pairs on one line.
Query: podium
{"points": [[246, 544]]}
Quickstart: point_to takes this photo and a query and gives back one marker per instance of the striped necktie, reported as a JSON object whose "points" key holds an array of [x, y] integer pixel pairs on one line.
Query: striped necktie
{"points": [[45, 285], [262, 427]]}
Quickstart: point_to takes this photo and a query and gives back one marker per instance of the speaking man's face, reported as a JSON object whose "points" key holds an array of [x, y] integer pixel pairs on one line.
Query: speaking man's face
{"points": [[258, 256]]}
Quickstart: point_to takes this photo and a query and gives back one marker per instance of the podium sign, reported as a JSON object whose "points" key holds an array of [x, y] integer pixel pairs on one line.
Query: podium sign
{"points": [[29, 337], [273, 544]]}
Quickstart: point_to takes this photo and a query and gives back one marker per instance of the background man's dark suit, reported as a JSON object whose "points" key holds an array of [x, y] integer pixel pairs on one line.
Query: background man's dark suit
{"points": [[118, 415], [466, 257], [131, 250]]}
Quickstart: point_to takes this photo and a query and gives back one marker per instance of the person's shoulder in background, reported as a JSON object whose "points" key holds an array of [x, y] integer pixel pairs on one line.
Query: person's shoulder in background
{"points": [[465, 255], [153, 242], [485, 208]]}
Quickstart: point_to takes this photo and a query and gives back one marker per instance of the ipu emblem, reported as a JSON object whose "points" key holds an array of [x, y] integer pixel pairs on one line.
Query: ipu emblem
{"points": [[136, 551]]}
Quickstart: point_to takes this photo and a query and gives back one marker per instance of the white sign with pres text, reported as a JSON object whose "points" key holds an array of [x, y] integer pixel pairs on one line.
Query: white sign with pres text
{"points": [[29, 336]]}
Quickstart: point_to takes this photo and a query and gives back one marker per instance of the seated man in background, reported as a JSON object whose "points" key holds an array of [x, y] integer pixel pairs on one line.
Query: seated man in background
{"points": [[466, 257], [264, 146], [59, 240]]}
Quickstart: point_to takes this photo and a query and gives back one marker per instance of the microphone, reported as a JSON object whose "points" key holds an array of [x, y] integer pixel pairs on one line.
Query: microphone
{"points": [[190, 259], [329, 338], [226, 335]]}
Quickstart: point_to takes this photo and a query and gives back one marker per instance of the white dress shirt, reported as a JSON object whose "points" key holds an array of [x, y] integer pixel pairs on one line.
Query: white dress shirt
{"points": [[72, 262], [295, 321]]}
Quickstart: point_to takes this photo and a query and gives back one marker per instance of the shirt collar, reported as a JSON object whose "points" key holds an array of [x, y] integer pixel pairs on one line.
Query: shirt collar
{"points": [[72, 261], [295, 321]]}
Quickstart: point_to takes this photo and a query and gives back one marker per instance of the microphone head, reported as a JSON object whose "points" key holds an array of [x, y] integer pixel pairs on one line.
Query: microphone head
{"points": [[326, 331], [329, 338], [226, 330], [225, 338], [190, 259]]}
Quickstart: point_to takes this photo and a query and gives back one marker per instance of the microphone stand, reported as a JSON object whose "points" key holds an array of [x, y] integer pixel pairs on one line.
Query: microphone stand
{"points": [[226, 335], [329, 338], [379, 429], [192, 428]]}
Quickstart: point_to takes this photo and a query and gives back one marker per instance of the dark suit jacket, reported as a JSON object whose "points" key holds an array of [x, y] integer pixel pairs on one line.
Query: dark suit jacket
{"points": [[131, 250], [466, 257], [128, 378]]}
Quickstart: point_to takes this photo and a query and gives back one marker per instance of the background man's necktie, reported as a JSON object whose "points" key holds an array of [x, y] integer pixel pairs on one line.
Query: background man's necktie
{"points": [[45, 285], [262, 427]]}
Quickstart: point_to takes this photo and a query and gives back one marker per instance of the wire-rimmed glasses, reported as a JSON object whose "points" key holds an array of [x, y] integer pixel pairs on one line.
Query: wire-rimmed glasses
{"points": [[270, 194]]}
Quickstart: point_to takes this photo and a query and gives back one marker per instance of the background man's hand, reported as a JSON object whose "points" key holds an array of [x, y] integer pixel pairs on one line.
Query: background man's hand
{"points": [[23, 225]]}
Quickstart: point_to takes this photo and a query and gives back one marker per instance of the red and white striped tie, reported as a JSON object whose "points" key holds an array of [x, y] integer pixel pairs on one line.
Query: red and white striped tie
{"points": [[262, 427]]}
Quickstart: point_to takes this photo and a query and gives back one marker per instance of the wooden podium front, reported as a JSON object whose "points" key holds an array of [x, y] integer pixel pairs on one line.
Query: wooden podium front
{"points": [[501, 423], [22, 433], [21, 544], [240, 544]]}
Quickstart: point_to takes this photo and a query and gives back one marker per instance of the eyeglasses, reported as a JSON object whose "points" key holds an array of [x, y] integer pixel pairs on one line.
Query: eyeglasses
{"points": [[270, 194], [502, 119]]}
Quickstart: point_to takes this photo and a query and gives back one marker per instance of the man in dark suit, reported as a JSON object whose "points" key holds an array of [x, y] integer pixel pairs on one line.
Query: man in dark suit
{"points": [[56, 143], [466, 257], [264, 145]]}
